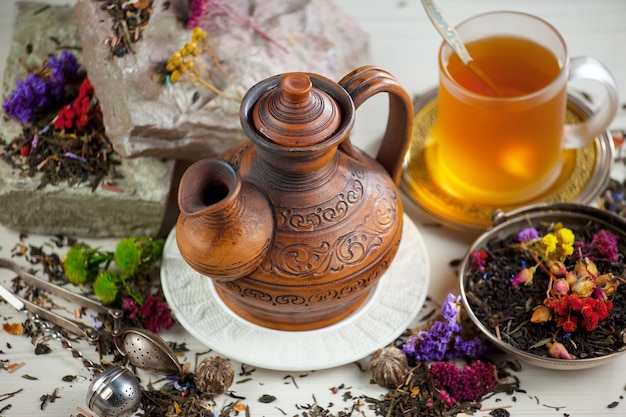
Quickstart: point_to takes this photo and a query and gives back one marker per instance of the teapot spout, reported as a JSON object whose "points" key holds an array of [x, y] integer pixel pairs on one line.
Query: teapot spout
{"points": [[226, 225]]}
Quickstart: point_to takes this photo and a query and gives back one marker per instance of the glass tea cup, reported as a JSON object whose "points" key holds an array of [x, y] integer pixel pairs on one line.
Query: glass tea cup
{"points": [[505, 147]]}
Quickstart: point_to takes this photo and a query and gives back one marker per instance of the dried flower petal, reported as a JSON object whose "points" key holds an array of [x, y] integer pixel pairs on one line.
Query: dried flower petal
{"points": [[541, 314], [13, 328]]}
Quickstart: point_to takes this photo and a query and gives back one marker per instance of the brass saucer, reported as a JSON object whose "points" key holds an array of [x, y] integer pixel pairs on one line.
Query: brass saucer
{"points": [[585, 172]]}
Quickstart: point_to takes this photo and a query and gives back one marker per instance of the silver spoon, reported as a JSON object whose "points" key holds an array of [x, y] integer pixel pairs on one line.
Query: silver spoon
{"points": [[452, 38]]}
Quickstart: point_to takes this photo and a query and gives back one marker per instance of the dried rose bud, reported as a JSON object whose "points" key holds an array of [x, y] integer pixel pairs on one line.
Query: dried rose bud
{"points": [[559, 351], [583, 287], [525, 276], [214, 375], [541, 314], [571, 277], [557, 268], [561, 286], [586, 268], [608, 283], [388, 367]]}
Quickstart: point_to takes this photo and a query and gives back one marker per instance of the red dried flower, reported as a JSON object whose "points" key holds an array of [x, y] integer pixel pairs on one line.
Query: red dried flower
{"points": [[81, 111], [480, 257]]}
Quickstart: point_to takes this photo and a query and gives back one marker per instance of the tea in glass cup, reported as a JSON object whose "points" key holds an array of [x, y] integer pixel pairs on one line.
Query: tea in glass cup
{"points": [[504, 145]]}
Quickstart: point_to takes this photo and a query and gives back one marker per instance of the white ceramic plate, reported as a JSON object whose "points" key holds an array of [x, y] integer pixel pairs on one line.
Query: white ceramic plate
{"points": [[396, 301]]}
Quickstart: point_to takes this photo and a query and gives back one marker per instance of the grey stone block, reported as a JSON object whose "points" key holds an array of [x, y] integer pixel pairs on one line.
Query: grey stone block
{"points": [[135, 205]]}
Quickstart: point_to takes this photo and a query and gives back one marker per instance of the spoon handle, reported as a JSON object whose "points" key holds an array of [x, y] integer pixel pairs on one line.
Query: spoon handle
{"points": [[446, 30]]}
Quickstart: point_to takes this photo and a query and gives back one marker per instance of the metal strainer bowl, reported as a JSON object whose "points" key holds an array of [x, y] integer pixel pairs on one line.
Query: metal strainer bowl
{"points": [[148, 351], [511, 222], [114, 393]]}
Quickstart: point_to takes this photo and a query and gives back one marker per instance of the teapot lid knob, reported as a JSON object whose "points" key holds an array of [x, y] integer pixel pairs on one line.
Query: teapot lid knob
{"points": [[296, 114]]}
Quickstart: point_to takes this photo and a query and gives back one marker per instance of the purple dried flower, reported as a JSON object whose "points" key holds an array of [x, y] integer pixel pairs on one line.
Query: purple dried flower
{"points": [[443, 339], [41, 88], [63, 68], [450, 308], [605, 243], [527, 234]]}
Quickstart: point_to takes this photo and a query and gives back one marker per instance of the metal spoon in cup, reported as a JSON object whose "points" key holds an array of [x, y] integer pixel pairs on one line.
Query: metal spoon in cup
{"points": [[452, 38]]}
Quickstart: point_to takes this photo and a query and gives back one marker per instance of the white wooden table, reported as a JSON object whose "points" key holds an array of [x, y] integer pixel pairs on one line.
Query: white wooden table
{"points": [[403, 42]]}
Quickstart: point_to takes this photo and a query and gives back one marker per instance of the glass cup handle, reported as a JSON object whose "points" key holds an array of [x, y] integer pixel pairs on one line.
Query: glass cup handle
{"points": [[580, 134]]}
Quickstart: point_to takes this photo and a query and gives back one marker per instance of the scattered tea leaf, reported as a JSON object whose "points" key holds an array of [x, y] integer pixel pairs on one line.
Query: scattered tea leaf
{"points": [[266, 398], [42, 349], [48, 398], [499, 412], [29, 377]]}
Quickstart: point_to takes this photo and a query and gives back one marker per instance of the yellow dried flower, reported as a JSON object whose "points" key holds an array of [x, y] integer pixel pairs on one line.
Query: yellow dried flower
{"points": [[182, 64], [565, 238], [549, 242], [198, 34]]}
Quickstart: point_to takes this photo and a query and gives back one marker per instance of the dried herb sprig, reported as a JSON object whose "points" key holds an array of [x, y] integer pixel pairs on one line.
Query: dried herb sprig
{"points": [[185, 65], [129, 19]]}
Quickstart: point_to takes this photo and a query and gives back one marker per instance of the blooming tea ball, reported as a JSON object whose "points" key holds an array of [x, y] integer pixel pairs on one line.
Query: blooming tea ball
{"points": [[214, 375], [388, 367]]}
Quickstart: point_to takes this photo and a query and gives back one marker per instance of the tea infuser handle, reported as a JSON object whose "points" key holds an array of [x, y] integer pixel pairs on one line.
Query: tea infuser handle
{"points": [[581, 134], [85, 302], [67, 345], [363, 83]]}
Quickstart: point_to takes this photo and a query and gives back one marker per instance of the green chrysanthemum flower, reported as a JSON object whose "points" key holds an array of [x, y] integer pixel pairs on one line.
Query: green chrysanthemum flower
{"points": [[106, 286], [135, 255], [81, 264]]}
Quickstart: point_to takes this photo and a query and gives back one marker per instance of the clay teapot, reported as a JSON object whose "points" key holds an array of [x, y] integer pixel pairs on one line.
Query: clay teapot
{"points": [[296, 225]]}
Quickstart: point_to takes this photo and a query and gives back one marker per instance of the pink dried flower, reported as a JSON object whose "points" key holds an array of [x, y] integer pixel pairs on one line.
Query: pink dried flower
{"points": [[154, 313], [606, 244], [559, 351], [468, 384], [525, 276], [206, 12], [132, 306], [480, 257]]}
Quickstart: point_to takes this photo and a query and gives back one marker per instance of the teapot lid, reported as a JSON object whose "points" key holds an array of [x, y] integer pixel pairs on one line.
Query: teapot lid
{"points": [[296, 114]]}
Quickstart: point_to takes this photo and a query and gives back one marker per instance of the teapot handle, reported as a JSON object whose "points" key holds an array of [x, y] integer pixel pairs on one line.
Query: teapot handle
{"points": [[363, 83]]}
